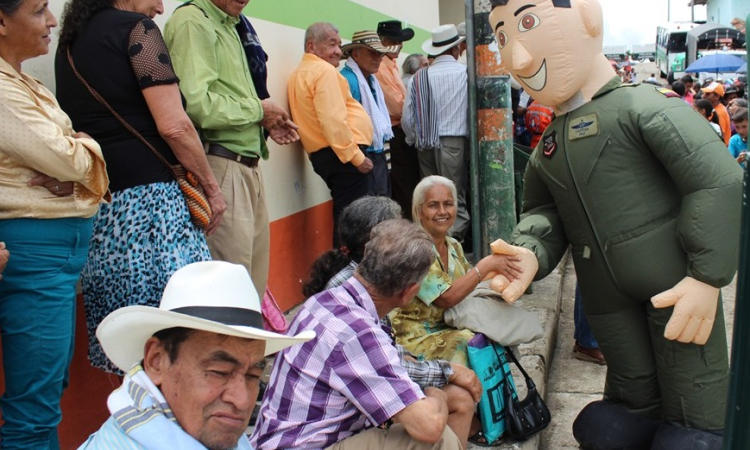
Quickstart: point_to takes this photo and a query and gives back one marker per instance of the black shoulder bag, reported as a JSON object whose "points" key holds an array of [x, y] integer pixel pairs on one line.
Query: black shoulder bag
{"points": [[524, 418]]}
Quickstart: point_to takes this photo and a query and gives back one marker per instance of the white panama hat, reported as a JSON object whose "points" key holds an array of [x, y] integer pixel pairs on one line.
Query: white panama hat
{"points": [[443, 38], [214, 296]]}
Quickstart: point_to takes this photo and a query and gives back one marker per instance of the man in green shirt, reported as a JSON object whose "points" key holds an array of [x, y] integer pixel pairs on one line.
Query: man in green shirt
{"points": [[215, 79]]}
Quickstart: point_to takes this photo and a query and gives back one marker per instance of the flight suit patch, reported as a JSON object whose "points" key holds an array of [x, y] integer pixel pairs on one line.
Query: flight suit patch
{"points": [[669, 93], [549, 144], [583, 126]]}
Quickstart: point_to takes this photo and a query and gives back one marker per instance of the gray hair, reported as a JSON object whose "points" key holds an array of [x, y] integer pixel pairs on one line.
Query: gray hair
{"points": [[9, 7], [358, 219], [420, 192], [412, 63], [317, 31], [397, 256]]}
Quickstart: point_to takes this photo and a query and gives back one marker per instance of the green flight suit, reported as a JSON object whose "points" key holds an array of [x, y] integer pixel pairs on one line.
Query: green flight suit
{"points": [[645, 193]]}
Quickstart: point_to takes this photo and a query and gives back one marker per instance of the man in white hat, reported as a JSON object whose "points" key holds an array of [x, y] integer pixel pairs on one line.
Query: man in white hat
{"points": [[435, 117], [192, 365], [363, 57]]}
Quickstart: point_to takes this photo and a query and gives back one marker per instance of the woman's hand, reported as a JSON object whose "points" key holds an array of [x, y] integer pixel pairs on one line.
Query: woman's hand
{"points": [[505, 265], [218, 206], [57, 187], [4, 256]]}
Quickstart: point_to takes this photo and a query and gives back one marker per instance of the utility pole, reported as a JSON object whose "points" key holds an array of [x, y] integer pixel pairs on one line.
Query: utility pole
{"points": [[492, 170]]}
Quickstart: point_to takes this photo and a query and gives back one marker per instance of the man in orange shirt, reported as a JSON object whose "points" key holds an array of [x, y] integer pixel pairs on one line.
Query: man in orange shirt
{"points": [[333, 127], [404, 163], [713, 93]]}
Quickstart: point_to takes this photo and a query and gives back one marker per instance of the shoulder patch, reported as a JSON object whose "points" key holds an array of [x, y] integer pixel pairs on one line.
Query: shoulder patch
{"points": [[549, 144], [669, 93]]}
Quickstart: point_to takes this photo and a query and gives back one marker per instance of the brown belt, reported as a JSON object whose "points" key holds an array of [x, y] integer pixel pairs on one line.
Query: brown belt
{"points": [[223, 152]]}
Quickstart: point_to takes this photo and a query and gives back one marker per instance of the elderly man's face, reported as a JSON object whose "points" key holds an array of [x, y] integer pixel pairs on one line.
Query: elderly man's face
{"points": [[367, 59], [328, 49], [232, 8], [548, 49], [211, 386]]}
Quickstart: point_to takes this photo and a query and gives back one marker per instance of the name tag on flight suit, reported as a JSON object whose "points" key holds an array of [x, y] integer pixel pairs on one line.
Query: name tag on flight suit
{"points": [[583, 126]]}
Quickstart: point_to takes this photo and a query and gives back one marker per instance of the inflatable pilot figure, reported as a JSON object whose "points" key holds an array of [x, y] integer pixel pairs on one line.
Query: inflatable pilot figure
{"points": [[649, 200]]}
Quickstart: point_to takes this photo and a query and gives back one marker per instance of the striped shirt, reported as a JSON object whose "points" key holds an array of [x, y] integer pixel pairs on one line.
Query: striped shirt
{"points": [[344, 381], [449, 90]]}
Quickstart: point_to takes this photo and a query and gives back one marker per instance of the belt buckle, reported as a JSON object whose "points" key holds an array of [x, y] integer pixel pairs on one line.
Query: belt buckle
{"points": [[238, 158]]}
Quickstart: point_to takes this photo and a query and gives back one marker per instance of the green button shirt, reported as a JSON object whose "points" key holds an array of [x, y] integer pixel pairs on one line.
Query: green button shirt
{"points": [[214, 77]]}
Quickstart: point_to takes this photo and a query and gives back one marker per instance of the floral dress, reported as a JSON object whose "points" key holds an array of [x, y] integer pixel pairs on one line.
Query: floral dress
{"points": [[420, 326]]}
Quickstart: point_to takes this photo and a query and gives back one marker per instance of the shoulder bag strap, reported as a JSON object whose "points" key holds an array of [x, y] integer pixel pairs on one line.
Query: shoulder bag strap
{"points": [[529, 381], [124, 123]]}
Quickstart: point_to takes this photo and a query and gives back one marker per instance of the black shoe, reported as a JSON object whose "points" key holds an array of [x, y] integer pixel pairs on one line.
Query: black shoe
{"points": [[604, 425], [673, 437]]}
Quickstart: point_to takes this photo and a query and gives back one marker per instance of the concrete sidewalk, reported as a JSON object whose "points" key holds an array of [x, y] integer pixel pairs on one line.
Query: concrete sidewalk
{"points": [[545, 301]]}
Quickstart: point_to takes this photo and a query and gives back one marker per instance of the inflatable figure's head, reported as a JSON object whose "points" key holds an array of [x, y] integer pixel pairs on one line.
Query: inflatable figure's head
{"points": [[552, 47]]}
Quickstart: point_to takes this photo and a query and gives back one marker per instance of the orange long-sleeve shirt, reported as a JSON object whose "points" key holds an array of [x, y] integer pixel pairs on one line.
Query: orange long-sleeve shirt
{"points": [[325, 111]]}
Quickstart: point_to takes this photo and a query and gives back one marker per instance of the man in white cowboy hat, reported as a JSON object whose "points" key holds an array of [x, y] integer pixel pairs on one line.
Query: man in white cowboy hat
{"points": [[192, 365], [436, 114], [334, 128], [363, 57], [346, 389]]}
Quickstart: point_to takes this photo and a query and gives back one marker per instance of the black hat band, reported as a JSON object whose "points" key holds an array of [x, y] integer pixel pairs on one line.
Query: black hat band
{"points": [[225, 315]]}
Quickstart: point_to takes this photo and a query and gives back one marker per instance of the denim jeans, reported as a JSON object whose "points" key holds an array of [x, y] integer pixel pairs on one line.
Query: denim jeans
{"points": [[37, 324]]}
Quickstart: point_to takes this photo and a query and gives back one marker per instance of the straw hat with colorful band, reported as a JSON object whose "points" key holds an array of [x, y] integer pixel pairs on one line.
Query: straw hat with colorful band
{"points": [[367, 39], [214, 296], [444, 37]]}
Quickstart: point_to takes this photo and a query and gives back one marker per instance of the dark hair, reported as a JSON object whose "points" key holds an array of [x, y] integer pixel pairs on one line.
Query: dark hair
{"points": [[708, 109], [76, 16], [740, 115], [397, 256], [172, 338], [555, 3], [679, 88], [9, 7], [355, 223], [686, 79]]}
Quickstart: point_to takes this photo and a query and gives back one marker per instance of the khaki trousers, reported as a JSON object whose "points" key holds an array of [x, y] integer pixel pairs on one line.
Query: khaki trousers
{"points": [[243, 237], [395, 437]]}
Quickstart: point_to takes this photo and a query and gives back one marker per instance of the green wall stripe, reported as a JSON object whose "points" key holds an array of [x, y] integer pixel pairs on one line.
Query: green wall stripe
{"points": [[345, 14]]}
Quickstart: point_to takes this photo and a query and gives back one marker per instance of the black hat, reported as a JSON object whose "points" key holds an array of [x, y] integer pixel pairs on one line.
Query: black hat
{"points": [[392, 30]]}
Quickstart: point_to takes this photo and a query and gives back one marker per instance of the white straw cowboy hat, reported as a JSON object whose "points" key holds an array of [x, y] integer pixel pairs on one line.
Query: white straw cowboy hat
{"points": [[213, 296], [367, 39], [444, 37]]}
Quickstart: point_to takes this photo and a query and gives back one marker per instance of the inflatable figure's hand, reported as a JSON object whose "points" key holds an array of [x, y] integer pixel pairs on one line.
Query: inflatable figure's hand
{"points": [[513, 290], [694, 310]]}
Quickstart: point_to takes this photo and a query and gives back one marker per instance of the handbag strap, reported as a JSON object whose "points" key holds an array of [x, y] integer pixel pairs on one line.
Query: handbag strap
{"points": [[124, 123], [509, 352]]}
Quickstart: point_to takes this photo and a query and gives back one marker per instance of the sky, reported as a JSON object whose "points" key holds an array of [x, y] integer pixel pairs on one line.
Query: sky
{"points": [[632, 22]]}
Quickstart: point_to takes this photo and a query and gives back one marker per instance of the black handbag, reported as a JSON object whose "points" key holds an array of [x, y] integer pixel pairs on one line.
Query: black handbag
{"points": [[524, 418]]}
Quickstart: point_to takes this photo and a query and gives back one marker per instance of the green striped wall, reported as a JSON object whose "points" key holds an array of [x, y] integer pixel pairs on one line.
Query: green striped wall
{"points": [[346, 15]]}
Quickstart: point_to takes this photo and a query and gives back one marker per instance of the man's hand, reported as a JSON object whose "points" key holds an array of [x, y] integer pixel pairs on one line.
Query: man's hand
{"points": [[273, 115], [695, 305], [467, 379], [366, 166], [286, 134], [57, 187], [4, 256]]}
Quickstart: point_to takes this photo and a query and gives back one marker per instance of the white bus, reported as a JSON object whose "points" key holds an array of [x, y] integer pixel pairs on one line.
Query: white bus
{"points": [[671, 48]]}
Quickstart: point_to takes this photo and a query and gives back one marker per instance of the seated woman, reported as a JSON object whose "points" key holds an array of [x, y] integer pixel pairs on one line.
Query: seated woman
{"points": [[335, 266], [420, 326]]}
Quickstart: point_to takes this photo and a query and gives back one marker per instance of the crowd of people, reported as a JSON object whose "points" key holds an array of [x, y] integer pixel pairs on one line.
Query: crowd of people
{"points": [[88, 191]]}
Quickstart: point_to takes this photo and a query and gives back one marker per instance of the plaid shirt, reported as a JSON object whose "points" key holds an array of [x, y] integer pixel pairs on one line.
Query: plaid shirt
{"points": [[424, 373], [349, 378]]}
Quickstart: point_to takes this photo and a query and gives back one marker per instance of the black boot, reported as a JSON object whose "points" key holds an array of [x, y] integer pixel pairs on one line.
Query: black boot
{"points": [[604, 425], [673, 437]]}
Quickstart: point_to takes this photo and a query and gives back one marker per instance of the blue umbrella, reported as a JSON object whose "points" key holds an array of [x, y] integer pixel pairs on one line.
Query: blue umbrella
{"points": [[717, 62], [742, 69]]}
